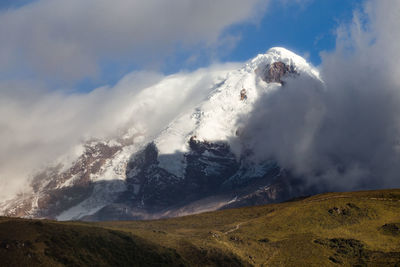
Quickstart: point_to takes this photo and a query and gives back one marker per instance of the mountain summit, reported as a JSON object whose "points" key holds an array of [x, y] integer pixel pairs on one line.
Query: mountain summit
{"points": [[199, 162]]}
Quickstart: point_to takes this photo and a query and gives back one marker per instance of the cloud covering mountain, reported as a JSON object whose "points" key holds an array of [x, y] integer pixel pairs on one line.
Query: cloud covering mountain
{"points": [[345, 135]]}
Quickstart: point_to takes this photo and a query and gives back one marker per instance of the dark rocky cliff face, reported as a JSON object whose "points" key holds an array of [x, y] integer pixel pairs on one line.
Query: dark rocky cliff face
{"points": [[153, 188], [275, 72], [149, 186], [211, 170]]}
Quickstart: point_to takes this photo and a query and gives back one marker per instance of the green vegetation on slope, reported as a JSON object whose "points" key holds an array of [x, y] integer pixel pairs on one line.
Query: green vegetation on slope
{"points": [[46, 243], [334, 229]]}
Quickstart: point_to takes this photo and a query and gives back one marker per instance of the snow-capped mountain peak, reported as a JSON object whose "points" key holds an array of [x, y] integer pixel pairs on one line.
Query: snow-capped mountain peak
{"points": [[216, 118], [187, 161]]}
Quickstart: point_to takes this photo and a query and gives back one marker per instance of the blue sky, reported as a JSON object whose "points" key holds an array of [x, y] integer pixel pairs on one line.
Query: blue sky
{"points": [[306, 27], [5, 4]]}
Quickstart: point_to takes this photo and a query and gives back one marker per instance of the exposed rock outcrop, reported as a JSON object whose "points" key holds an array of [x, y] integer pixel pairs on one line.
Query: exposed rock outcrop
{"points": [[243, 94], [275, 72], [56, 189]]}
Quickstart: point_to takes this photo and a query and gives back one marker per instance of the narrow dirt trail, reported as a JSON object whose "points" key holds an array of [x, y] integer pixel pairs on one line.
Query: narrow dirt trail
{"points": [[233, 229]]}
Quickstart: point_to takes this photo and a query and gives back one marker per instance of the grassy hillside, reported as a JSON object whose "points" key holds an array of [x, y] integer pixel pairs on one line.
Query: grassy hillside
{"points": [[46, 243], [334, 229]]}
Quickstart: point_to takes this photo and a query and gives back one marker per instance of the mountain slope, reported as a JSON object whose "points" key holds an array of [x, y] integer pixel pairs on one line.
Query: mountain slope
{"points": [[196, 163], [347, 229], [333, 229]]}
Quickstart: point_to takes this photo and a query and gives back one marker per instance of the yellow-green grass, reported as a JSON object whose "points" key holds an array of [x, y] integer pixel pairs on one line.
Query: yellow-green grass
{"points": [[47, 243], [287, 234], [333, 229]]}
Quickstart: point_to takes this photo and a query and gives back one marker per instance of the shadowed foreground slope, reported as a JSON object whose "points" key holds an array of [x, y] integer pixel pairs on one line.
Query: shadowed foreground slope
{"points": [[47, 243], [350, 229]]}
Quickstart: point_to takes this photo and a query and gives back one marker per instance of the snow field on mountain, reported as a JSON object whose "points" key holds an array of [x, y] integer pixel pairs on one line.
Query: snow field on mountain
{"points": [[216, 118]]}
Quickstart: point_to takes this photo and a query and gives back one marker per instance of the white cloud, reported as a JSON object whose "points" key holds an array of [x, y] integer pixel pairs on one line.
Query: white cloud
{"points": [[38, 126], [345, 134], [68, 39]]}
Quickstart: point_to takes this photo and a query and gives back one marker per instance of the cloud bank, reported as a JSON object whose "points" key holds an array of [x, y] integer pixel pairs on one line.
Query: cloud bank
{"points": [[344, 134], [70, 39]]}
